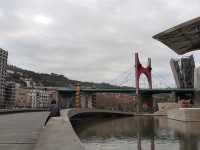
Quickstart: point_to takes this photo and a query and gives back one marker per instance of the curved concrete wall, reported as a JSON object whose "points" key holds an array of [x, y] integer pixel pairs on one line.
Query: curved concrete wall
{"points": [[59, 133], [185, 114], [89, 112]]}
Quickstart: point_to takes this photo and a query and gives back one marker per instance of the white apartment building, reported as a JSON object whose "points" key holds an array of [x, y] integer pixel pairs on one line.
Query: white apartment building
{"points": [[3, 66], [40, 98]]}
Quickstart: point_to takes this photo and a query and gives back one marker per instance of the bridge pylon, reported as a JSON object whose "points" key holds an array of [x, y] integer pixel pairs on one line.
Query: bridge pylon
{"points": [[139, 69]]}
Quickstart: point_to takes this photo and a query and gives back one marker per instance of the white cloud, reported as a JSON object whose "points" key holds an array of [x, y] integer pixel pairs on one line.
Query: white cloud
{"points": [[42, 19]]}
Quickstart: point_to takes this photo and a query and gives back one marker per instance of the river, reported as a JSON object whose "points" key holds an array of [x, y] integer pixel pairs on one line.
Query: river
{"points": [[137, 133]]}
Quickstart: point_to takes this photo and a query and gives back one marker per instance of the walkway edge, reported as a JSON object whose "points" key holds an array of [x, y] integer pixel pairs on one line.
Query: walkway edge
{"points": [[20, 110]]}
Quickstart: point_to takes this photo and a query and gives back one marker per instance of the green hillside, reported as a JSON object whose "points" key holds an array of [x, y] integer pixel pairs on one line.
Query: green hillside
{"points": [[19, 75]]}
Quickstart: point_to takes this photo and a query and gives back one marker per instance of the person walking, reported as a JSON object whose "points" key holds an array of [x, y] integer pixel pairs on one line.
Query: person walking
{"points": [[54, 111]]}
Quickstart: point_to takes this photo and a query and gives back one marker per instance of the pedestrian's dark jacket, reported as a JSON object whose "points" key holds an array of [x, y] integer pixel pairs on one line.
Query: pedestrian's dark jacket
{"points": [[54, 110]]}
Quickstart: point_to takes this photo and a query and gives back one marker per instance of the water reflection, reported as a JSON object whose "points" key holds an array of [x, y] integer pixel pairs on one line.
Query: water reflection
{"points": [[138, 133]]}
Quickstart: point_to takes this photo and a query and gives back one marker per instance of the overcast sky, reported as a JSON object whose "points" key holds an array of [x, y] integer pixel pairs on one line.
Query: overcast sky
{"points": [[90, 40]]}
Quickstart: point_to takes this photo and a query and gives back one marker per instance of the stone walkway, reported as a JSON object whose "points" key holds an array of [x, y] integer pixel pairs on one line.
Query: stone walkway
{"points": [[20, 131]]}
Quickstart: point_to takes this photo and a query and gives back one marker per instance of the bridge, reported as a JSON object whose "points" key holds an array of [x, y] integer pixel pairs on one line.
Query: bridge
{"points": [[142, 95], [145, 95], [131, 91]]}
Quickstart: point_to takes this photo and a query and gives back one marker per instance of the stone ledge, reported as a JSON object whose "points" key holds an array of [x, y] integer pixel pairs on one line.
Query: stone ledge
{"points": [[185, 114], [78, 112]]}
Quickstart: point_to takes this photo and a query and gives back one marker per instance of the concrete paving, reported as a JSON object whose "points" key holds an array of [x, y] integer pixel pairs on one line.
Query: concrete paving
{"points": [[58, 134], [20, 131]]}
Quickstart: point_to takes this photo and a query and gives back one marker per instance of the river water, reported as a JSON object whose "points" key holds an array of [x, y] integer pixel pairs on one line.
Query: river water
{"points": [[137, 133]]}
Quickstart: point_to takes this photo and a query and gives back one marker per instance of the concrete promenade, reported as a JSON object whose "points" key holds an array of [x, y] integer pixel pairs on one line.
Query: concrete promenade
{"points": [[59, 133], [20, 131]]}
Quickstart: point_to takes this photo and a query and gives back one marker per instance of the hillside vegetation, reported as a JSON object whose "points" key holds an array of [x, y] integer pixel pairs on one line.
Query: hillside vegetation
{"points": [[19, 76]]}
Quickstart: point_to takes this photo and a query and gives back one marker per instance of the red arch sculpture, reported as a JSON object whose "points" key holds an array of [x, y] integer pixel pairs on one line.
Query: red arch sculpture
{"points": [[139, 69]]}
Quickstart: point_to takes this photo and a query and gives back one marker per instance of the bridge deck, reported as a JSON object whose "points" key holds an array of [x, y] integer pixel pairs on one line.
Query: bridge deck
{"points": [[20, 131], [128, 90]]}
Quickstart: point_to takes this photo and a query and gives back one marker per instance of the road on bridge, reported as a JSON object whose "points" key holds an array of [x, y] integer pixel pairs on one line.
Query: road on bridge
{"points": [[20, 131]]}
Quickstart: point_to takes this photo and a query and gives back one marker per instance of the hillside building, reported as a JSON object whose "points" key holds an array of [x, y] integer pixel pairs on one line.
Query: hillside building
{"points": [[3, 66], [23, 98], [39, 98], [9, 94]]}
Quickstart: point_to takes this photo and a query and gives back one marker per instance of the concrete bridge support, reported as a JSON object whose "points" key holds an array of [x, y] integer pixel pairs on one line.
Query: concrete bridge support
{"points": [[86, 100], [144, 103], [139, 103], [78, 97]]}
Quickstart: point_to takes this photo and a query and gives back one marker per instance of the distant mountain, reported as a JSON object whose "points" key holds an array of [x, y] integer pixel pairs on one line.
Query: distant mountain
{"points": [[22, 77]]}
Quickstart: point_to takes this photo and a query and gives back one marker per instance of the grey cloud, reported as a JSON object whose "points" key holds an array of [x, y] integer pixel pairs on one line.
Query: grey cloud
{"points": [[94, 40]]}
